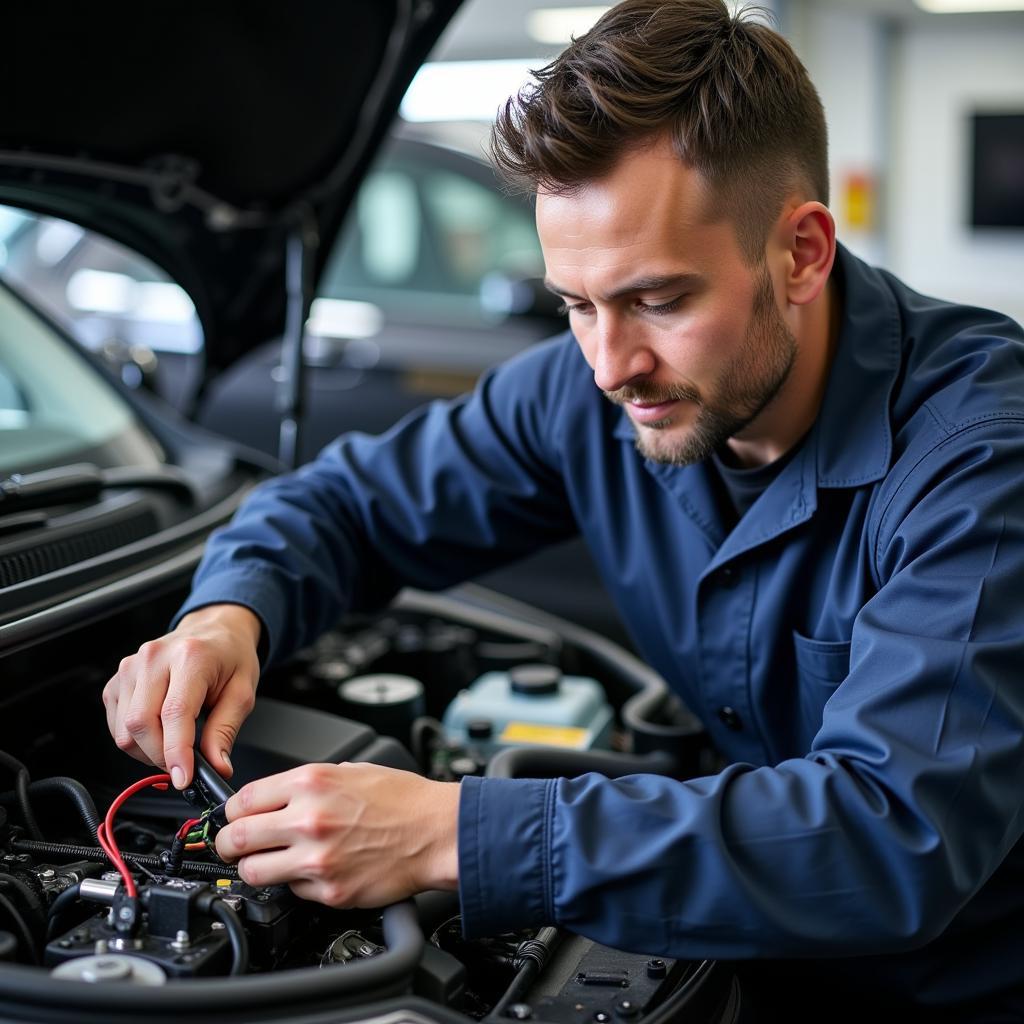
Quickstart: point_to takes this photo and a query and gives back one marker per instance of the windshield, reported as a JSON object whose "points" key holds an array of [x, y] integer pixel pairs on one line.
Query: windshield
{"points": [[54, 407]]}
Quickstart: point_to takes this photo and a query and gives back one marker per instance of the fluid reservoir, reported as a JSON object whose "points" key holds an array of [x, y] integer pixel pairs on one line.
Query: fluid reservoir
{"points": [[530, 705]]}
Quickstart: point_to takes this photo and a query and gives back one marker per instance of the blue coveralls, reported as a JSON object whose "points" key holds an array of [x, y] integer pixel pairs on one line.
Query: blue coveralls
{"points": [[864, 622]]}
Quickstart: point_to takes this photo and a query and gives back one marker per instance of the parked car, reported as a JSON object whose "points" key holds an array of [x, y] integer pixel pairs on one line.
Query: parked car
{"points": [[435, 276], [106, 498]]}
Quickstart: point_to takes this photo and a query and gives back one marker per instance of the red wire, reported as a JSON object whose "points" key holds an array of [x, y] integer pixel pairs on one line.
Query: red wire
{"points": [[105, 833], [188, 826]]}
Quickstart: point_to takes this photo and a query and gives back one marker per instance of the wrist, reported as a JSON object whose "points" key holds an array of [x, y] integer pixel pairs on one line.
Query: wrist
{"points": [[236, 619], [442, 855]]}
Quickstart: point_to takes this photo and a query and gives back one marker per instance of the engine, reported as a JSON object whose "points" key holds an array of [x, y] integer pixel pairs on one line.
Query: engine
{"points": [[435, 686]]}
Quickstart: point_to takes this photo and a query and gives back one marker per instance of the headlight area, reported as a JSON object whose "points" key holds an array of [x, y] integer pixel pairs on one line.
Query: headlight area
{"points": [[115, 906]]}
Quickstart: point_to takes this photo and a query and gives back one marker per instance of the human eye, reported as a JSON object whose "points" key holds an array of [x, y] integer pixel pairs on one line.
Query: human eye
{"points": [[575, 307], [661, 308]]}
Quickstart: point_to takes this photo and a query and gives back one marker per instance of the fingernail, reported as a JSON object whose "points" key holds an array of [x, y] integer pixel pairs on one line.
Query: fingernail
{"points": [[227, 760], [178, 777]]}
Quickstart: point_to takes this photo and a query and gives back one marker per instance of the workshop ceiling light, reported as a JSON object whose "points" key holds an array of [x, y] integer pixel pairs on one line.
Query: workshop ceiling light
{"points": [[969, 6], [555, 26]]}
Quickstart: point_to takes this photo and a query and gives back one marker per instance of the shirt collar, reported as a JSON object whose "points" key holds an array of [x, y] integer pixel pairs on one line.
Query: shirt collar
{"points": [[854, 433], [852, 436]]}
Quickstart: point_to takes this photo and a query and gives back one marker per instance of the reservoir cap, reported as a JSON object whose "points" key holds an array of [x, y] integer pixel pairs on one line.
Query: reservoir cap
{"points": [[535, 680]]}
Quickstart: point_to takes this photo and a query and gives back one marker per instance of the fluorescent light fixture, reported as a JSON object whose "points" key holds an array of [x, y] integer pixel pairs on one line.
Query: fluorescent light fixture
{"points": [[969, 6], [555, 26], [463, 90]]}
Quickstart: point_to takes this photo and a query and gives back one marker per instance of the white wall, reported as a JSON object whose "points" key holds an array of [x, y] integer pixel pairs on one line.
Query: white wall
{"points": [[942, 73], [844, 52], [897, 96]]}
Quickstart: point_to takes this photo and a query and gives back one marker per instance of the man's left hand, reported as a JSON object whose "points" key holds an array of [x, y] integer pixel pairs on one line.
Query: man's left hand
{"points": [[347, 835]]}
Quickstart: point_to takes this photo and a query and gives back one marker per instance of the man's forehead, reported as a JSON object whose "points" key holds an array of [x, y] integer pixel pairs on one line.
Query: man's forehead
{"points": [[649, 197]]}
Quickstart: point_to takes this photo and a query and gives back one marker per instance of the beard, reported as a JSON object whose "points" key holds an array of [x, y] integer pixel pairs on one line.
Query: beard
{"points": [[745, 386]]}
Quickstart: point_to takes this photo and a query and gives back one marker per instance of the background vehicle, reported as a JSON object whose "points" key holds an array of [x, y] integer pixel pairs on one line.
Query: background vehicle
{"points": [[434, 277]]}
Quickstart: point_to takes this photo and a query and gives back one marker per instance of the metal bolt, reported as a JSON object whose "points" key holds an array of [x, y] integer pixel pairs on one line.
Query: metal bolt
{"points": [[626, 1008], [217, 926], [656, 969], [520, 1011], [181, 940], [125, 913], [601, 1017]]}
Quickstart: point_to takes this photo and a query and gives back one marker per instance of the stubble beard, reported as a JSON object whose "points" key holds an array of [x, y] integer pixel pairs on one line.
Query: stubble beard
{"points": [[743, 389]]}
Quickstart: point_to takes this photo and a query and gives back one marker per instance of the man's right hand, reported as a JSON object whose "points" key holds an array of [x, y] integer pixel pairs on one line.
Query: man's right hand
{"points": [[209, 661]]}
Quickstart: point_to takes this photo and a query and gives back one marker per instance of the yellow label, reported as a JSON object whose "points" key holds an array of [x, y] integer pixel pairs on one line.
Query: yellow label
{"points": [[550, 735]]}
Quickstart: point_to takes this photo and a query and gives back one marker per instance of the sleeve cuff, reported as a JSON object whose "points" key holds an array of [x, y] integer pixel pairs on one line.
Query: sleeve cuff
{"points": [[257, 591], [505, 854]]}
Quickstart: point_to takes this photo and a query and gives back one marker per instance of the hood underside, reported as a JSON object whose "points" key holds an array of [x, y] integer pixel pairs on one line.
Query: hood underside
{"points": [[204, 134]]}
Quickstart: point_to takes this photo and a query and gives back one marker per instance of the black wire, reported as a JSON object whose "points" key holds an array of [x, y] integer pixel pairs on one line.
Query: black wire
{"points": [[32, 900], [32, 903], [21, 785], [236, 933], [57, 908], [21, 782], [69, 851], [23, 928]]}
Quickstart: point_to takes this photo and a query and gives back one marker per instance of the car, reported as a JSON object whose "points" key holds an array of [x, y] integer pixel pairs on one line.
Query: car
{"points": [[113, 906], [455, 289]]}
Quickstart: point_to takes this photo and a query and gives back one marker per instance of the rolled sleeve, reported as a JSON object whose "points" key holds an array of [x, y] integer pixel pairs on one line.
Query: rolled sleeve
{"points": [[505, 828]]}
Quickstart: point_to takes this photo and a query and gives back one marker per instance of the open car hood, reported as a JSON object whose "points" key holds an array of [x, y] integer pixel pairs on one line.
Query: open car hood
{"points": [[204, 135]]}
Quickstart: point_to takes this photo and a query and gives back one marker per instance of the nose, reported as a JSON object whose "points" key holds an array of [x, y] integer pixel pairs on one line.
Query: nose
{"points": [[618, 355]]}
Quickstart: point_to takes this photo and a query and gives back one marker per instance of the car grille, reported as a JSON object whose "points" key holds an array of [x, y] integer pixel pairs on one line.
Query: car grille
{"points": [[59, 554]]}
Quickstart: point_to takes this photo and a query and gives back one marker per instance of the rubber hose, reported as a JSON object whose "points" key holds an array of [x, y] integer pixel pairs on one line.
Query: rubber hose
{"points": [[72, 788], [22, 779], [25, 933], [236, 933], [550, 762], [57, 908], [27, 990], [32, 900]]}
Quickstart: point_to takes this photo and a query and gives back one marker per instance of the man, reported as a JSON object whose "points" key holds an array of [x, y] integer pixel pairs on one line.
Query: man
{"points": [[804, 484]]}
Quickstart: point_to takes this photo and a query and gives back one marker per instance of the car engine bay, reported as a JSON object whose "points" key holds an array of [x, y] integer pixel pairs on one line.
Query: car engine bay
{"points": [[446, 686]]}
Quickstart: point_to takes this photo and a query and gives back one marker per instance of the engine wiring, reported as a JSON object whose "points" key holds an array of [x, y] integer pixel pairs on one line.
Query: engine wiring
{"points": [[105, 833]]}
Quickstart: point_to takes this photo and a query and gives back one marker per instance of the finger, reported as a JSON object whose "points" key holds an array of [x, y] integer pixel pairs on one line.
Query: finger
{"points": [[231, 709], [264, 795], [274, 867], [333, 894], [139, 713], [114, 693], [194, 674], [255, 833]]}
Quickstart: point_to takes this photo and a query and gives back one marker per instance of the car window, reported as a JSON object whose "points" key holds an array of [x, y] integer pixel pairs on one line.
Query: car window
{"points": [[110, 299], [54, 407], [424, 236]]}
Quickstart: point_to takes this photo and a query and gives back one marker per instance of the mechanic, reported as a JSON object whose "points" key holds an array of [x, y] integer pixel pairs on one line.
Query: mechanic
{"points": [[804, 486]]}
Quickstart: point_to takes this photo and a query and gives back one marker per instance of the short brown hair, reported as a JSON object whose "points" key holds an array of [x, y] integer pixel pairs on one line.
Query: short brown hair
{"points": [[730, 92]]}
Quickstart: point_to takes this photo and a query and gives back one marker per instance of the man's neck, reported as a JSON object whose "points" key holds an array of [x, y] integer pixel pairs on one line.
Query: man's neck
{"points": [[790, 414]]}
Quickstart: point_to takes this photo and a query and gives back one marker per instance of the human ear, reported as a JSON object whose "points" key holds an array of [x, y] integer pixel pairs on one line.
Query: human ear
{"points": [[808, 235]]}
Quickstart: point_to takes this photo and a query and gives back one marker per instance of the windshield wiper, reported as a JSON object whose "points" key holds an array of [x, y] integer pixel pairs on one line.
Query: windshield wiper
{"points": [[83, 482]]}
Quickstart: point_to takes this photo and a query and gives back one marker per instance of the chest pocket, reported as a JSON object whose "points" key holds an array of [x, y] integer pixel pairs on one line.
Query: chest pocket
{"points": [[821, 665]]}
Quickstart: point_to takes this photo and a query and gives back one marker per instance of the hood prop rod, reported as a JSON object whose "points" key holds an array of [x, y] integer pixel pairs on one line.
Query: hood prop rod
{"points": [[300, 251]]}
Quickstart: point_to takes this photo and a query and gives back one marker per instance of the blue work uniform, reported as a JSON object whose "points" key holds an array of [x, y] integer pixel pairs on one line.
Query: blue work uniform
{"points": [[854, 644]]}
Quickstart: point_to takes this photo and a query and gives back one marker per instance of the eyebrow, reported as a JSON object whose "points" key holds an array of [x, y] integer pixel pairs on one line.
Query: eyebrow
{"points": [[641, 284]]}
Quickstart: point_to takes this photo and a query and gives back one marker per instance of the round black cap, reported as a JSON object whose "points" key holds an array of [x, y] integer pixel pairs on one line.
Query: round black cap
{"points": [[535, 680], [480, 729]]}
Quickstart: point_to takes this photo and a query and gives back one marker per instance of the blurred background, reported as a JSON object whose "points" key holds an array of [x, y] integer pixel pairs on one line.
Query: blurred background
{"points": [[436, 274]]}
